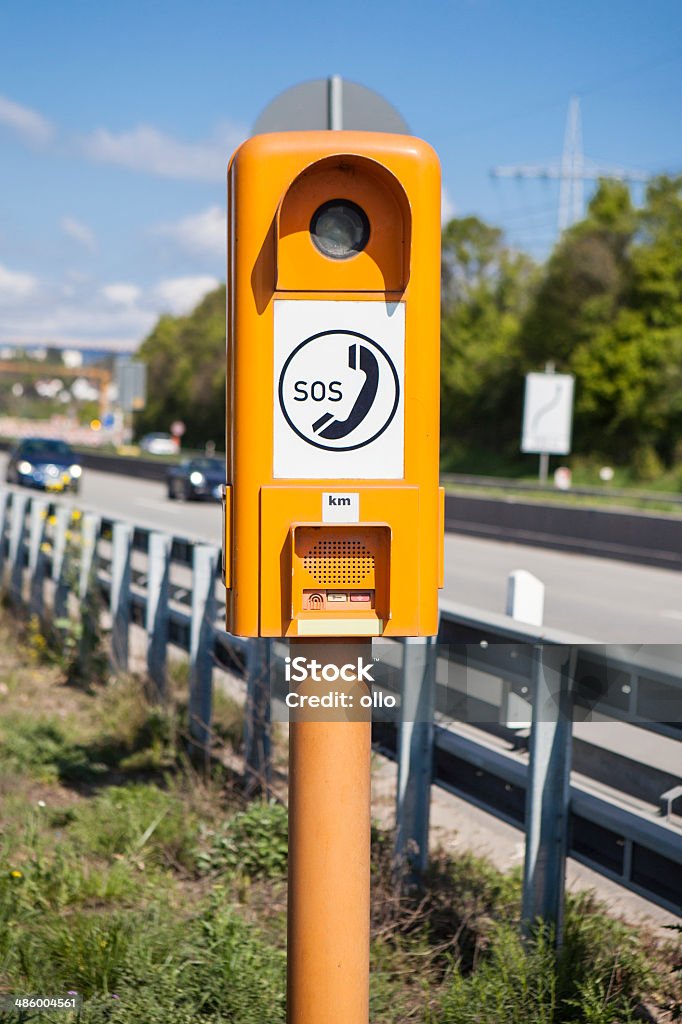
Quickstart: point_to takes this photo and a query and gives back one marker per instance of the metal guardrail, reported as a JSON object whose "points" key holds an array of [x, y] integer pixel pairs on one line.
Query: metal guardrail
{"points": [[646, 537], [169, 587]]}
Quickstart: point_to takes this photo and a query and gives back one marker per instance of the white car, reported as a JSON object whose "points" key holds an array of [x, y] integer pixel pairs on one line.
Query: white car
{"points": [[159, 444]]}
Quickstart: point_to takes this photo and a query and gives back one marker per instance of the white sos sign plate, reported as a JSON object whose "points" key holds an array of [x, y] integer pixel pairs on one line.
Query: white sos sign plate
{"points": [[339, 390]]}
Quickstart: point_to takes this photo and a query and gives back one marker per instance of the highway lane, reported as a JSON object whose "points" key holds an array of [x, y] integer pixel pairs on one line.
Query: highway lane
{"points": [[604, 599], [609, 601]]}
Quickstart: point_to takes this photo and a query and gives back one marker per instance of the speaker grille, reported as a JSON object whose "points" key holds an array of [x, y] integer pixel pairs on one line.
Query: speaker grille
{"points": [[339, 561]]}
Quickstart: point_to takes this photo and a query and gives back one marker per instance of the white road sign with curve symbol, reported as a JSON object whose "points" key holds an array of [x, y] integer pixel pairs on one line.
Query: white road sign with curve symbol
{"points": [[548, 413], [338, 389]]}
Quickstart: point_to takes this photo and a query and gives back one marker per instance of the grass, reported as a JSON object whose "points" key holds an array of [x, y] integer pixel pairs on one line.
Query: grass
{"points": [[585, 469], [596, 977], [160, 896], [649, 493], [605, 501]]}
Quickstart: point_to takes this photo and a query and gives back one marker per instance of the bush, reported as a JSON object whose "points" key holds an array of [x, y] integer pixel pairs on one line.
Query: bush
{"points": [[646, 465], [42, 748], [254, 842]]}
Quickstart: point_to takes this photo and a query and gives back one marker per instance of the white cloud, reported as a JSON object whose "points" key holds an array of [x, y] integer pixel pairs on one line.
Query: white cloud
{"points": [[121, 294], [179, 295], [31, 125], [203, 232], [147, 149], [15, 286], [79, 231], [77, 322], [81, 315], [448, 210], [73, 310]]}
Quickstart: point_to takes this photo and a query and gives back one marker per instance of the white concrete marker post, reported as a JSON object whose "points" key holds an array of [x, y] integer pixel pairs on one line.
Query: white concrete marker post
{"points": [[525, 597]]}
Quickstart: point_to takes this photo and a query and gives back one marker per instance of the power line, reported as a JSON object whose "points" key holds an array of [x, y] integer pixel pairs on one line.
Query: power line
{"points": [[572, 170], [655, 62], [597, 85]]}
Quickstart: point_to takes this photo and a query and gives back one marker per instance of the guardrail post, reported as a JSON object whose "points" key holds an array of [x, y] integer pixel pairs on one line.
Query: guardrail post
{"points": [[16, 546], [201, 649], [158, 586], [59, 538], [119, 598], [415, 754], [548, 787], [4, 498], [36, 555], [525, 603], [257, 750], [90, 524]]}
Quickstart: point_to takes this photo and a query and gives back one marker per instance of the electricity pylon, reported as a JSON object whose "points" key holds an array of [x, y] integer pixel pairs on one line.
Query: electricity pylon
{"points": [[571, 171]]}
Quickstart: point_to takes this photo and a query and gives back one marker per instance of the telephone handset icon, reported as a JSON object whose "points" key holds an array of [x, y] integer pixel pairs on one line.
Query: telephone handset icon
{"points": [[335, 429]]}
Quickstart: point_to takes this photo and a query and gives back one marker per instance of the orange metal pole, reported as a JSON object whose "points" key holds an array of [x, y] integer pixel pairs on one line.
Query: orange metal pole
{"points": [[329, 854]]}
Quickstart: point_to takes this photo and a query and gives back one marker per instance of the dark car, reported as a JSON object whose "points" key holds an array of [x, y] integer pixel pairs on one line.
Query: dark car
{"points": [[196, 478], [46, 464]]}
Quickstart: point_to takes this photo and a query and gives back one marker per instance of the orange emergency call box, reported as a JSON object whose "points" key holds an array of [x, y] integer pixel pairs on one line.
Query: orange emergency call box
{"points": [[333, 514]]}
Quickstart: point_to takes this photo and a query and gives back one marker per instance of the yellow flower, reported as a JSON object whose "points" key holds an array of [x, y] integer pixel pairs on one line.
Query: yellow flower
{"points": [[46, 548], [16, 874], [52, 520], [75, 515]]}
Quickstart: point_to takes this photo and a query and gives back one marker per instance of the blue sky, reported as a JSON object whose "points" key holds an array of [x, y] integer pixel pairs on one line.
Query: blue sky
{"points": [[117, 120]]}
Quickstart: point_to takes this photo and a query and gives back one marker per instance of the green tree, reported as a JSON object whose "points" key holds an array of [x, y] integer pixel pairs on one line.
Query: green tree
{"points": [[486, 287], [609, 310], [185, 359], [583, 282], [657, 298]]}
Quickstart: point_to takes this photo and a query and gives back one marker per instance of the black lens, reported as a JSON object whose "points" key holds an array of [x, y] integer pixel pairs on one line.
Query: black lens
{"points": [[339, 229]]}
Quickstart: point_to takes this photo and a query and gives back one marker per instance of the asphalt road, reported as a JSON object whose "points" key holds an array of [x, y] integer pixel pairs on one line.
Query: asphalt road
{"points": [[606, 600]]}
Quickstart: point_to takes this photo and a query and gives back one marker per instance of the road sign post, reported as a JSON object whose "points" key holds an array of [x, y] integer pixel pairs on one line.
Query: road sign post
{"points": [[333, 514]]}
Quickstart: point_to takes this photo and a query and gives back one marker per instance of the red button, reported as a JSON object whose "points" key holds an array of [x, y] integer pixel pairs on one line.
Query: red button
{"points": [[364, 598]]}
